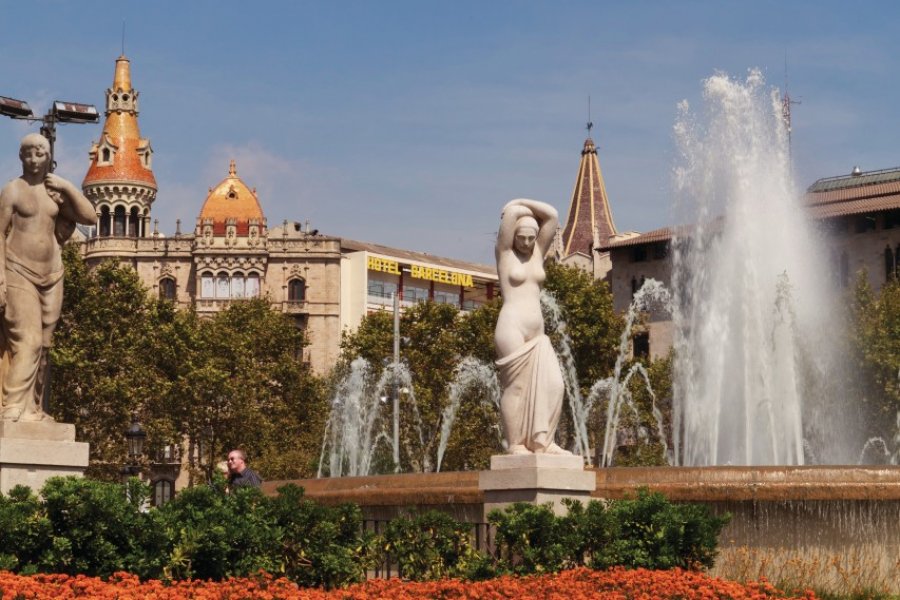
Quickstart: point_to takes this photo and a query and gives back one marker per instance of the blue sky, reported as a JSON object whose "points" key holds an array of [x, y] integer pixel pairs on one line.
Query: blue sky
{"points": [[412, 123]]}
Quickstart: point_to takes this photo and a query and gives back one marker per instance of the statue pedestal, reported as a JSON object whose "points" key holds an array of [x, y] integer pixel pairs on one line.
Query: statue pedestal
{"points": [[31, 453], [535, 478]]}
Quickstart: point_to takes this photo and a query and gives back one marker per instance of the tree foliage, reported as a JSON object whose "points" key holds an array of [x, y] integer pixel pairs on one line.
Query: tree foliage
{"points": [[876, 343], [233, 380]]}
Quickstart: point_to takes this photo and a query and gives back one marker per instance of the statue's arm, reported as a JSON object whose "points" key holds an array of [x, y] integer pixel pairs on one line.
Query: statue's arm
{"points": [[512, 212], [76, 207], [7, 195]]}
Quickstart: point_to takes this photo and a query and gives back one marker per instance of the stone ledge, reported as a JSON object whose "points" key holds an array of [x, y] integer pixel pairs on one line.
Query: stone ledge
{"points": [[29, 453], [537, 461], [38, 430], [563, 480]]}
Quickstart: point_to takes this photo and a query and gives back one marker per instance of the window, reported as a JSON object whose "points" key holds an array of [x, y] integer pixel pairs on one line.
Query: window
{"points": [[163, 490], [223, 286], [104, 221], [237, 286], [864, 223], [167, 288], [641, 345], [133, 221], [119, 221], [106, 155], [296, 290], [382, 289], [892, 219], [660, 251], [415, 294], [207, 286], [639, 254], [447, 298], [251, 289]]}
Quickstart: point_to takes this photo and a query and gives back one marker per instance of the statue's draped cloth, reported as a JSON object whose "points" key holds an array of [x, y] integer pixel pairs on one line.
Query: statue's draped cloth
{"points": [[532, 391]]}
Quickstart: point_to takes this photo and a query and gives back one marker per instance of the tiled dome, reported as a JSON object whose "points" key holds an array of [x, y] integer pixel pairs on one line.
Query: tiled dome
{"points": [[231, 199]]}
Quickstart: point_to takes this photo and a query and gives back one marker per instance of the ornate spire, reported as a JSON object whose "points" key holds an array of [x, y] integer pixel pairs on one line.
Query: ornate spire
{"points": [[589, 208], [232, 169], [121, 154]]}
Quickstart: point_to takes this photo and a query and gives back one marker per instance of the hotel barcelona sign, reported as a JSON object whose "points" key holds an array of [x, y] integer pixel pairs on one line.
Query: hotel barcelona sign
{"points": [[386, 265]]}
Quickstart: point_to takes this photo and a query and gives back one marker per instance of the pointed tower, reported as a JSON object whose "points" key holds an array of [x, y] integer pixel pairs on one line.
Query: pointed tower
{"points": [[120, 180], [589, 222]]}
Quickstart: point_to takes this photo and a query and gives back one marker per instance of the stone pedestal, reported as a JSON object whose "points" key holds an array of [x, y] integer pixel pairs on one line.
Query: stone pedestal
{"points": [[535, 478], [31, 453]]}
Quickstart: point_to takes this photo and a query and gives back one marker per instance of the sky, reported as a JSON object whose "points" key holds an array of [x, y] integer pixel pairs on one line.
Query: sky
{"points": [[411, 123]]}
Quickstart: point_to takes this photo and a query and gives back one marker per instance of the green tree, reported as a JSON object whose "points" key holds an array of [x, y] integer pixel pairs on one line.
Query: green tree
{"points": [[876, 344], [104, 356]]}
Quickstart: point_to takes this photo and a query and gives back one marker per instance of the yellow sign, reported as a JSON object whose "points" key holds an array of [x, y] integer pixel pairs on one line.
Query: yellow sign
{"points": [[384, 265], [441, 276]]}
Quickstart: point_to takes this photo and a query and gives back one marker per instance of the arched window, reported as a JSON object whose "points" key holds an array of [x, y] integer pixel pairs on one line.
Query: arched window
{"points": [[163, 491], [106, 155], [167, 288], [104, 221], [251, 288], [133, 220], [889, 265], [207, 286], [237, 285], [119, 221], [223, 286], [296, 290]]}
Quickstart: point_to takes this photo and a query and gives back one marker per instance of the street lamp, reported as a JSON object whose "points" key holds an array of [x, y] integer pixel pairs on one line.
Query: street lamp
{"points": [[59, 112], [135, 436]]}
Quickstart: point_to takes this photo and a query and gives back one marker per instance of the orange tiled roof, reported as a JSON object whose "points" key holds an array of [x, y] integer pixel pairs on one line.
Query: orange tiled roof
{"points": [[122, 133], [231, 199]]}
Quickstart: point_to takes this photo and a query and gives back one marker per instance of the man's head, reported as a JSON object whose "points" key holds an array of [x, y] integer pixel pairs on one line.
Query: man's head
{"points": [[237, 461], [34, 152]]}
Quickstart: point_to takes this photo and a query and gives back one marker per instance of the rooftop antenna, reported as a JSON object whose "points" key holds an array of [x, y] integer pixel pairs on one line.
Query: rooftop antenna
{"points": [[786, 102], [590, 124]]}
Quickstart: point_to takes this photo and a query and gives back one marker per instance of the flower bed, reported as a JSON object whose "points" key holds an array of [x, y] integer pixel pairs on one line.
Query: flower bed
{"points": [[615, 584]]}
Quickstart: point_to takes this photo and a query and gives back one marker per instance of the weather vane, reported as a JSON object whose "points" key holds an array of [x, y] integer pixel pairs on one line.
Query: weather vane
{"points": [[590, 125]]}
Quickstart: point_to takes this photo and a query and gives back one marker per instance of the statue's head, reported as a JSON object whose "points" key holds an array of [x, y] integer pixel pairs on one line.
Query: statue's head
{"points": [[34, 152], [526, 234]]}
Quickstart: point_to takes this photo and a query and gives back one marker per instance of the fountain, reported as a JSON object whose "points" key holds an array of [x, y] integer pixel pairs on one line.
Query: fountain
{"points": [[757, 339], [758, 384]]}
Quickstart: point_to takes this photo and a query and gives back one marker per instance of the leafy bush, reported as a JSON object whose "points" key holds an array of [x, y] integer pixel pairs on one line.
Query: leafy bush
{"points": [[321, 545], [651, 532], [213, 535], [431, 545], [532, 539]]}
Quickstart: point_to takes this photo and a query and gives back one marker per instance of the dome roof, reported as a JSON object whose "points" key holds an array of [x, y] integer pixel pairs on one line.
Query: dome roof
{"points": [[128, 151], [231, 199]]}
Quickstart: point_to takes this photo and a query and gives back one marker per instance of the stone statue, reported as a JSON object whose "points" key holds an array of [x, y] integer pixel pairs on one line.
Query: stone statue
{"points": [[530, 375], [38, 212]]}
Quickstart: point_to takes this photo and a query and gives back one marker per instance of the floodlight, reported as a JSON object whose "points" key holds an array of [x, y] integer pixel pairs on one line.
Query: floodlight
{"points": [[17, 109], [73, 112]]}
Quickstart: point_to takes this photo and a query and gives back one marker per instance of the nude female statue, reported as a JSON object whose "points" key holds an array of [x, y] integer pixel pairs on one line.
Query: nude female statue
{"points": [[530, 375], [38, 212]]}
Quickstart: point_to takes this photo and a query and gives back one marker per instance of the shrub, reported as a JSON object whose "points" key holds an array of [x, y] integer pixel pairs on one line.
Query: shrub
{"points": [[651, 532], [532, 539], [431, 545], [214, 535], [321, 545], [25, 531]]}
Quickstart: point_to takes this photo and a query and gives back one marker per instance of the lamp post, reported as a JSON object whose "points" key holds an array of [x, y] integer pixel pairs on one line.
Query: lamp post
{"points": [[135, 436], [396, 394], [59, 112]]}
